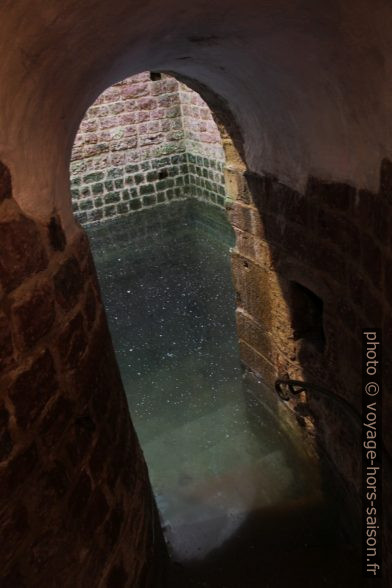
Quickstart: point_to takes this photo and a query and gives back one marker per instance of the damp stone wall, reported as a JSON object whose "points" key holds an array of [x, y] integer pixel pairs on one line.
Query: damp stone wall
{"points": [[145, 141], [76, 507]]}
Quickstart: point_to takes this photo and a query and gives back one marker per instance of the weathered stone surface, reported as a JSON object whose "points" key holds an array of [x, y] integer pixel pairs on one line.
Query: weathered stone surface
{"points": [[336, 195], [99, 456], [99, 378], [13, 579], [68, 283], [6, 443], [331, 238], [33, 388], [35, 314], [79, 442], [364, 208], [96, 512], [116, 464], [386, 179], [152, 126], [117, 577], [257, 363], [340, 231], [251, 284], [18, 474], [6, 348], [373, 308], [21, 252], [254, 334], [388, 280], [247, 218], [113, 526], [61, 411], [295, 117], [57, 237], [80, 495], [72, 342], [13, 528], [55, 422], [371, 259], [42, 556], [5, 182], [55, 483]]}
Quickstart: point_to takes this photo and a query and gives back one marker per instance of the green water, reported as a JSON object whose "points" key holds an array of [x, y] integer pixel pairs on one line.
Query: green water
{"points": [[240, 503]]}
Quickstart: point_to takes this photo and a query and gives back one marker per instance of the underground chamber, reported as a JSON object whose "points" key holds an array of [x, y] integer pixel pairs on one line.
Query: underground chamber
{"points": [[236, 483]]}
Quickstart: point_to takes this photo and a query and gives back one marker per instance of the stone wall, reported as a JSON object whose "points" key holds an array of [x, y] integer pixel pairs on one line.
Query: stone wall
{"points": [[301, 107], [202, 136], [334, 242], [75, 502], [145, 141]]}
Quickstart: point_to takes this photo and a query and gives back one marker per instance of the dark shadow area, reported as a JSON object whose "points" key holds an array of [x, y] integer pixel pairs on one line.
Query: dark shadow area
{"points": [[307, 316], [277, 547]]}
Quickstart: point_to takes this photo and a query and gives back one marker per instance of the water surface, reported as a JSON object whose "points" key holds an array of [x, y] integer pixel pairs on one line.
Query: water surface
{"points": [[240, 503]]}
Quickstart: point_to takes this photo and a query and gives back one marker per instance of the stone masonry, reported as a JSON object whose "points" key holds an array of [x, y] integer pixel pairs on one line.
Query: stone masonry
{"points": [[76, 507], [333, 240], [145, 141]]}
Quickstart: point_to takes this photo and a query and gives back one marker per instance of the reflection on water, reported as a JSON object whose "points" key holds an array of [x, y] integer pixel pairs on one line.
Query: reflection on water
{"points": [[237, 498]]}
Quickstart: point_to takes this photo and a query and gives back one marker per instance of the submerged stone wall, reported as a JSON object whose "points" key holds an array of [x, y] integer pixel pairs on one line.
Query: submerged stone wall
{"points": [[145, 141]]}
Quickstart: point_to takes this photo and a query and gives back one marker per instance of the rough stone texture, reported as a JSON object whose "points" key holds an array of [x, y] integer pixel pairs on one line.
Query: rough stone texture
{"points": [[145, 143], [34, 314], [5, 182], [331, 241], [56, 234], [76, 508], [21, 251], [334, 240], [68, 283], [5, 436], [308, 84], [202, 136], [32, 389], [6, 348]]}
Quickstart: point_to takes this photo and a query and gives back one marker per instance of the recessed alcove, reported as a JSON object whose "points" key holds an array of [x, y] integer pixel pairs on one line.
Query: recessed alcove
{"points": [[307, 316]]}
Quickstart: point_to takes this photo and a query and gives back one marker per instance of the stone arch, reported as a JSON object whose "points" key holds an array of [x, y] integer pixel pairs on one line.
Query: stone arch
{"points": [[316, 126], [262, 211]]}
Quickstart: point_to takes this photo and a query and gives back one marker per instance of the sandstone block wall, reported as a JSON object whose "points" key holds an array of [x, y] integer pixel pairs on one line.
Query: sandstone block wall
{"points": [[75, 502], [333, 240], [145, 142]]}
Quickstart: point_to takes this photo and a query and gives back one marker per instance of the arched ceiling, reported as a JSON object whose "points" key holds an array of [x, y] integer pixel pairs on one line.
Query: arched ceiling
{"points": [[309, 82]]}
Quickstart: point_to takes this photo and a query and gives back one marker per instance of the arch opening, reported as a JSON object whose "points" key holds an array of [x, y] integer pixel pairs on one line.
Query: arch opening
{"points": [[317, 120], [99, 197]]}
